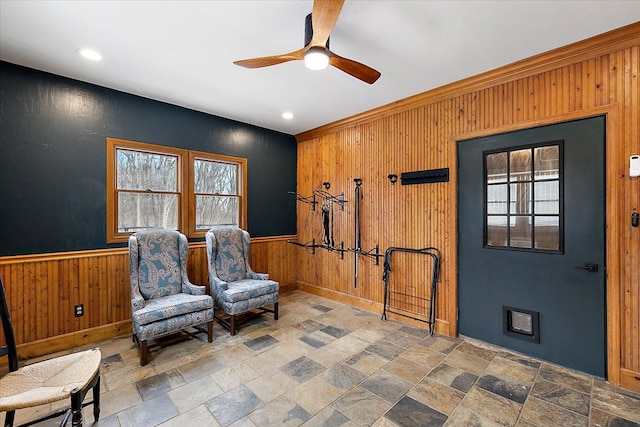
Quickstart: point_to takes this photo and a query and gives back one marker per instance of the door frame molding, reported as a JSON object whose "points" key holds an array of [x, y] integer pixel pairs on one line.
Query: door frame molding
{"points": [[614, 170]]}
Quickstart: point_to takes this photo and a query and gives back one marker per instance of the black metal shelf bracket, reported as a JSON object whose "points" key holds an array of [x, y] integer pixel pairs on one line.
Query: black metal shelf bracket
{"points": [[311, 244], [341, 250], [310, 200], [373, 253], [338, 248], [338, 199]]}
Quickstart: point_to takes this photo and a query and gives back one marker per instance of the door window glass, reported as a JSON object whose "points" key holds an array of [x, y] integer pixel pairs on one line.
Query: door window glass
{"points": [[523, 198]]}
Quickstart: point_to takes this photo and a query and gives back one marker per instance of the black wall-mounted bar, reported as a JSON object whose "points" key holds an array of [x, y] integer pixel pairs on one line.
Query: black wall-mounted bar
{"points": [[425, 177]]}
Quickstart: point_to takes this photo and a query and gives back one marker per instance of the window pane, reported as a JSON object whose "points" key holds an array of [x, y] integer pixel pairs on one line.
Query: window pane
{"points": [[146, 171], [496, 168], [547, 197], [216, 210], [497, 231], [548, 232], [215, 177], [520, 232], [547, 162], [529, 203], [520, 165], [520, 202], [138, 211], [497, 199]]}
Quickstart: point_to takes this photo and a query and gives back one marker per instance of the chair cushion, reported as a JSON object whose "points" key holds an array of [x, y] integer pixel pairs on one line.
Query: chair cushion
{"points": [[158, 309], [48, 381], [246, 289], [159, 263], [249, 304], [230, 259], [173, 324]]}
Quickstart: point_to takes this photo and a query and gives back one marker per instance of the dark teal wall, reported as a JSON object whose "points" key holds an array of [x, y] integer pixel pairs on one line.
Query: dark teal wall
{"points": [[53, 134]]}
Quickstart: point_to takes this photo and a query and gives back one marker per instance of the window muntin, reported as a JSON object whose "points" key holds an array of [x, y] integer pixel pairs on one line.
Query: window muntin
{"points": [[523, 198], [156, 186]]}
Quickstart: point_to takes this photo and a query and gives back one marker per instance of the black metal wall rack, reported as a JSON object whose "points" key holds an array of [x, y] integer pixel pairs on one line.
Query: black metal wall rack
{"points": [[326, 200], [405, 300]]}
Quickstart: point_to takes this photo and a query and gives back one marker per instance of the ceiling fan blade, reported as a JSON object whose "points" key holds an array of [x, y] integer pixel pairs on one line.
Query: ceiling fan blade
{"points": [[356, 69], [323, 18], [266, 61]]}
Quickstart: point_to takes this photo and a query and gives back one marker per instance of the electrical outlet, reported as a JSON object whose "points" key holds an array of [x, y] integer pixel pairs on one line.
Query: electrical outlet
{"points": [[78, 310]]}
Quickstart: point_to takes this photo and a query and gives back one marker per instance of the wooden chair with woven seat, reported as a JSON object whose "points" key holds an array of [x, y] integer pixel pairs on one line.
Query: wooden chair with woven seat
{"points": [[70, 376]]}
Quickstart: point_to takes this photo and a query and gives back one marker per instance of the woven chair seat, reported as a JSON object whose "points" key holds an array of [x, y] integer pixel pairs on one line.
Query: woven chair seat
{"points": [[48, 381]]}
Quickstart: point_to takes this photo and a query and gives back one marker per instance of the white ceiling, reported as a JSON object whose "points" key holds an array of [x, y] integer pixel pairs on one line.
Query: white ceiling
{"points": [[181, 52]]}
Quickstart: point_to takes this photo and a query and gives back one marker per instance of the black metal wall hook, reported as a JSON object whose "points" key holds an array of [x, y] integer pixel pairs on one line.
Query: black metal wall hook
{"points": [[357, 181], [326, 185], [393, 178]]}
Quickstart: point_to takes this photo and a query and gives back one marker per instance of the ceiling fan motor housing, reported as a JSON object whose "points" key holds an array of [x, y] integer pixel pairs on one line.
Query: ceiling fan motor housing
{"points": [[308, 31]]}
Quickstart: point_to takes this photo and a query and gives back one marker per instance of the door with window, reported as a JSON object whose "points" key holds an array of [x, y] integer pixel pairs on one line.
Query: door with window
{"points": [[531, 230]]}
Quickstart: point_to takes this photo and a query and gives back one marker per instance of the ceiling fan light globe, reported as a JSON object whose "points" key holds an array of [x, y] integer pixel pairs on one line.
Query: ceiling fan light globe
{"points": [[316, 59]]}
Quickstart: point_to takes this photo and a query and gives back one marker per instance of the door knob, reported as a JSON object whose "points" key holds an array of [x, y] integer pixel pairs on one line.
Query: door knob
{"points": [[589, 268]]}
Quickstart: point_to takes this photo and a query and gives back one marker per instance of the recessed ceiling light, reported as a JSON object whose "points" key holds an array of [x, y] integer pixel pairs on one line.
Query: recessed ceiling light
{"points": [[287, 115], [90, 54]]}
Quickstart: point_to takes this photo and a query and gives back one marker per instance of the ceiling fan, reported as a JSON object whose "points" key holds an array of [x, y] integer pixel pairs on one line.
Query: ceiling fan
{"points": [[316, 53]]}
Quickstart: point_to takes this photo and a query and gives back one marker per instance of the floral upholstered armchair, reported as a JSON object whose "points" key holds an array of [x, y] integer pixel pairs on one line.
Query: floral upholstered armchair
{"points": [[236, 289], [163, 300]]}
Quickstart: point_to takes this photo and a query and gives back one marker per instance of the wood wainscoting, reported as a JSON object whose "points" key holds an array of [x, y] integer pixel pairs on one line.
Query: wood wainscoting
{"points": [[598, 76], [43, 289]]}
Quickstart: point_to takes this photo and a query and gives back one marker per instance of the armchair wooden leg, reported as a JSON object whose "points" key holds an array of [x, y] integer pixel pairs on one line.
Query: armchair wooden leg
{"points": [[275, 311], [210, 331], [76, 407], [232, 324], [144, 352]]}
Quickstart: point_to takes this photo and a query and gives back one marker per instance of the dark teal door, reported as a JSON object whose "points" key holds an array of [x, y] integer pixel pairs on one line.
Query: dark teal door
{"points": [[531, 230]]}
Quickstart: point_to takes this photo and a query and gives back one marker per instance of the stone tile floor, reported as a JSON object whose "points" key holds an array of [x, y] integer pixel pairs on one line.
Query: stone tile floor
{"points": [[327, 364]]}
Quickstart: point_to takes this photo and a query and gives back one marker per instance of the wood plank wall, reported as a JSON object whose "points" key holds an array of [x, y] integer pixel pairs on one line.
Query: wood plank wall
{"points": [[43, 289], [594, 77]]}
